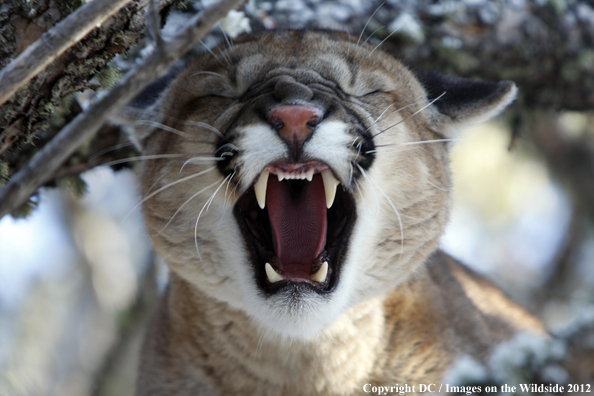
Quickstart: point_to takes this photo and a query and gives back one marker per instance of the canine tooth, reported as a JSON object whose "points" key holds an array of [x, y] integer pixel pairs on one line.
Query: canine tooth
{"points": [[260, 188], [330, 184], [309, 175], [272, 275], [280, 175], [320, 275]]}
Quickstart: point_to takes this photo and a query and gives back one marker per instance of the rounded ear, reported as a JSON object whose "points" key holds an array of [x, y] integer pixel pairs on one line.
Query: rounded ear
{"points": [[460, 102]]}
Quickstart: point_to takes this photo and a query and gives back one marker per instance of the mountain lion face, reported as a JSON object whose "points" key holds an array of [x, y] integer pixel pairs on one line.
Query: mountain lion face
{"points": [[301, 173]]}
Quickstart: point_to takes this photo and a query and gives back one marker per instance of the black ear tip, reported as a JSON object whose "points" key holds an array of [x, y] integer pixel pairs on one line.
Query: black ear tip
{"points": [[505, 86], [461, 93]]}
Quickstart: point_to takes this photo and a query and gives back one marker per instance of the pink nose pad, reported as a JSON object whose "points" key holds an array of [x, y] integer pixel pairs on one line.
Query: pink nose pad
{"points": [[294, 123]]}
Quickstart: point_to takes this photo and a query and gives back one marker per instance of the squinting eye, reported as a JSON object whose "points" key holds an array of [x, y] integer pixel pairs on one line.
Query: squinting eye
{"points": [[371, 93]]}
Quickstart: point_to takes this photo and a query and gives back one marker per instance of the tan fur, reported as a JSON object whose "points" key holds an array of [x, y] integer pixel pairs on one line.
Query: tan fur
{"points": [[402, 311]]}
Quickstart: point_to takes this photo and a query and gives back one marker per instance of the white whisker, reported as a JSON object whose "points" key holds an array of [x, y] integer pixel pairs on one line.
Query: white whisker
{"points": [[212, 53], [387, 37], [112, 148], [185, 203], [225, 202], [371, 35], [205, 126], [142, 158], [413, 144], [207, 206], [228, 145], [351, 176], [259, 345], [394, 112], [369, 20], [391, 204], [412, 115], [163, 127], [229, 43], [166, 187], [200, 160], [439, 188]]}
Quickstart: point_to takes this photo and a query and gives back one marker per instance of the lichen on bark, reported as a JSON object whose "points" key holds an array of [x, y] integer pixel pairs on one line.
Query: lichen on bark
{"points": [[26, 119]]}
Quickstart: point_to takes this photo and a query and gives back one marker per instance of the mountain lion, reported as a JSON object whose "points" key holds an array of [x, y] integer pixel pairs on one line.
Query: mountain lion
{"points": [[297, 188]]}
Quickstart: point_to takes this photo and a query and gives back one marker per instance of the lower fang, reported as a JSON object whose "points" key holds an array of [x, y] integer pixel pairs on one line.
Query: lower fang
{"points": [[320, 275], [272, 275]]}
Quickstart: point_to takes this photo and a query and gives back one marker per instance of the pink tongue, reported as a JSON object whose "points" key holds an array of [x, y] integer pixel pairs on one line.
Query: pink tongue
{"points": [[298, 225]]}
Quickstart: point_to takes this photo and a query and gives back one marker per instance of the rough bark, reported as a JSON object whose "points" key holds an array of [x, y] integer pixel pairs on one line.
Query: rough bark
{"points": [[28, 120], [43, 165]]}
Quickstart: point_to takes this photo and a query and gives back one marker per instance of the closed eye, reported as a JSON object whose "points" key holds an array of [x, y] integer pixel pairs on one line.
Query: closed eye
{"points": [[370, 93]]}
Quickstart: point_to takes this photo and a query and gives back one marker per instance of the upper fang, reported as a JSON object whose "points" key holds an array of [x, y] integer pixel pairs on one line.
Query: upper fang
{"points": [[330, 184], [260, 188]]}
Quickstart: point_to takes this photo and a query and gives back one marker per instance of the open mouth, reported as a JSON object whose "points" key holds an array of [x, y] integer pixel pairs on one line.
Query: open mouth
{"points": [[296, 221]]}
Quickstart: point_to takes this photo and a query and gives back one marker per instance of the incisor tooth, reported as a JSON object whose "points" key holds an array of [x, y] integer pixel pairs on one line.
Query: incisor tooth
{"points": [[330, 184], [320, 275], [260, 188], [272, 275]]}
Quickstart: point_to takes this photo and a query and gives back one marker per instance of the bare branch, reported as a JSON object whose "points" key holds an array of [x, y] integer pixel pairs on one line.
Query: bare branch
{"points": [[53, 43], [152, 22], [44, 164]]}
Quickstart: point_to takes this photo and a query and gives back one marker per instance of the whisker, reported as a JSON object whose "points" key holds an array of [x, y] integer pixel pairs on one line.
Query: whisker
{"points": [[412, 115], [229, 43], [391, 151], [362, 188], [200, 160], [177, 131], [156, 181], [259, 345], [358, 150], [224, 56], [391, 204], [234, 190], [228, 145], [205, 126], [225, 201], [394, 112], [384, 40], [142, 158], [439, 188], [166, 187], [416, 143], [290, 347], [351, 176], [212, 53], [371, 35], [369, 20], [163, 127], [185, 203], [112, 148], [207, 206]]}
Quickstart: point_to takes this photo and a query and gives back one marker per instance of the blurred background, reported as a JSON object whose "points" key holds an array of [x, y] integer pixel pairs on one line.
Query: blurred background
{"points": [[78, 279]]}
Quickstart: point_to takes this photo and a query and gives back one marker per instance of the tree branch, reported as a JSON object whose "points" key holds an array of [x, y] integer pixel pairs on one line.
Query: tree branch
{"points": [[53, 43], [46, 161]]}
